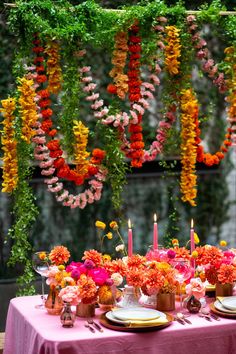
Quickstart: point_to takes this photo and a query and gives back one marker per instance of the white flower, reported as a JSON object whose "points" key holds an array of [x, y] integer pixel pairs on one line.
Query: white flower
{"points": [[120, 248], [117, 279]]}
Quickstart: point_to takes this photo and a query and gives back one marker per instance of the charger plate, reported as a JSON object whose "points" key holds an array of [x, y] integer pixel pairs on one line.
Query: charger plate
{"points": [[221, 313], [134, 328]]}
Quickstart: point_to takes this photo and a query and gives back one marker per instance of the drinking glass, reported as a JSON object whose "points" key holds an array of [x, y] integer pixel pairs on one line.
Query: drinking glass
{"points": [[40, 262], [183, 272]]}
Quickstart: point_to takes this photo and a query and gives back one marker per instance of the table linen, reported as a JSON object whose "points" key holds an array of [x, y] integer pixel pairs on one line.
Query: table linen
{"points": [[33, 331]]}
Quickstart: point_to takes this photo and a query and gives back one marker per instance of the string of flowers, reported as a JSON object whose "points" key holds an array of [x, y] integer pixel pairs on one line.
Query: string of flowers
{"points": [[50, 154], [172, 50], [120, 86], [54, 71], [231, 99], [188, 178], [80, 154], [27, 108], [9, 146], [202, 53]]}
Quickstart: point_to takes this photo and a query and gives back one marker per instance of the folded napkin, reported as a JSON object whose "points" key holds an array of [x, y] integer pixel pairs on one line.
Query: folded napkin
{"points": [[154, 322]]}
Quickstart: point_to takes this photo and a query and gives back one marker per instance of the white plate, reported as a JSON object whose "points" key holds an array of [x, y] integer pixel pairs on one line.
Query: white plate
{"points": [[136, 314], [229, 302], [221, 308], [110, 316]]}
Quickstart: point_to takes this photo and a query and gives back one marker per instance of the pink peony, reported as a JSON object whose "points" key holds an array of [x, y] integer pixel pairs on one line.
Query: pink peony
{"points": [[99, 275], [195, 288]]}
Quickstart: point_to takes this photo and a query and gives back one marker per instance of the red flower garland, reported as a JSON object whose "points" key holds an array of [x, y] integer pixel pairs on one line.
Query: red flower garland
{"points": [[134, 83]]}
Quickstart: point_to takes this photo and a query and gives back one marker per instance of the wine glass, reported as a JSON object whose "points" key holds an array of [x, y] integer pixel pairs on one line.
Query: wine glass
{"points": [[183, 272], [40, 262]]}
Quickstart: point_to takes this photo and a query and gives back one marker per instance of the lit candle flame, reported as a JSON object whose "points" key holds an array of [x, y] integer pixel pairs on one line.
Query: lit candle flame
{"points": [[192, 224], [155, 217], [129, 224]]}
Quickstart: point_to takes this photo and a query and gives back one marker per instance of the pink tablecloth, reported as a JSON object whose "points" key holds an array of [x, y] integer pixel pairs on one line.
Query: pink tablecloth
{"points": [[32, 331]]}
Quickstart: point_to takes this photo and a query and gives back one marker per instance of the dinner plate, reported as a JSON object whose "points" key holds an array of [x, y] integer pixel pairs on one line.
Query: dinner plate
{"points": [[231, 315], [111, 317], [129, 327], [229, 302], [218, 305], [136, 314]]}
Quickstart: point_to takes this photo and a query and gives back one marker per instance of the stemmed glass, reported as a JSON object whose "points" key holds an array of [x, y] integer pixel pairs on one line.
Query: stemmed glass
{"points": [[183, 272], [40, 262]]}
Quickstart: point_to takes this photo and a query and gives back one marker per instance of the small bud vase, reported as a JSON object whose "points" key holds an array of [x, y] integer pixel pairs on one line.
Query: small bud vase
{"points": [[53, 303], [224, 289], [131, 296], [165, 301], [67, 316], [193, 304], [85, 310]]}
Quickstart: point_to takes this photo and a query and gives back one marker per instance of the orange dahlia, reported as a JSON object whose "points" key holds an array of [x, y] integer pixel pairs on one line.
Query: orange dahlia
{"points": [[59, 255]]}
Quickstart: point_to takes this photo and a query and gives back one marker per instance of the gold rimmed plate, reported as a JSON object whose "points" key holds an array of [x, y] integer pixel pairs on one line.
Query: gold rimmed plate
{"points": [[221, 312], [132, 327]]}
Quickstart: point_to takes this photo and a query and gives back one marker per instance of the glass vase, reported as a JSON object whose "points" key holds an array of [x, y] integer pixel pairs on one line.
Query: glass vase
{"points": [[53, 303], [67, 316]]}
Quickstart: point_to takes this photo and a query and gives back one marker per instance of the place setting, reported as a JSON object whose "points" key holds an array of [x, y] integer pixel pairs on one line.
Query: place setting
{"points": [[135, 319], [224, 306]]}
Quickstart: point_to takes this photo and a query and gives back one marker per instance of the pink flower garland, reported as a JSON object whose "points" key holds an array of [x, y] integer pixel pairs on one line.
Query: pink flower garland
{"points": [[202, 53], [41, 153]]}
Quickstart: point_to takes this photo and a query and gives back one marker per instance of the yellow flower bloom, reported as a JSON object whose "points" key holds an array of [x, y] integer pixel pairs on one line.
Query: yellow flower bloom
{"points": [[100, 225], [194, 254], [42, 255], [113, 225], [81, 155], [196, 238], [106, 257], [175, 242], [172, 50], [223, 243], [109, 235], [163, 266], [61, 267]]}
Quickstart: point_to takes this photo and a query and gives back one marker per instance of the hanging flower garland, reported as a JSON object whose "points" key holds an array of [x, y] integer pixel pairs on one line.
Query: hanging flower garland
{"points": [[27, 109], [219, 81], [54, 71], [120, 86], [50, 154], [9, 146], [231, 99], [188, 178], [172, 50]]}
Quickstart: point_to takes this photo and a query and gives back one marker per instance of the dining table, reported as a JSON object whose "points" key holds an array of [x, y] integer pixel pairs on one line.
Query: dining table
{"points": [[33, 331]]}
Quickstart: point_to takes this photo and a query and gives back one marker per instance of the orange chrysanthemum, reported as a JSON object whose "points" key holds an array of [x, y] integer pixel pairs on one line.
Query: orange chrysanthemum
{"points": [[116, 266], [136, 261], [227, 274], [209, 255], [153, 281], [59, 255], [93, 256], [87, 289]]}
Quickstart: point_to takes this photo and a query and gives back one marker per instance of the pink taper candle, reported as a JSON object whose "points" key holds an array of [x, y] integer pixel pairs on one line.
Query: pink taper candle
{"points": [[155, 233], [192, 243], [130, 239]]}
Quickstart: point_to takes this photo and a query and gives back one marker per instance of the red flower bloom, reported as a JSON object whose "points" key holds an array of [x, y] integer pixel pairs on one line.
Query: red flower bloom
{"points": [[53, 145], [44, 93], [56, 153], [40, 68], [38, 49], [38, 60], [41, 78], [44, 103], [92, 170], [98, 153], [46, 113], [111, 89], [52, 132], [46, 125], [58, 163]]}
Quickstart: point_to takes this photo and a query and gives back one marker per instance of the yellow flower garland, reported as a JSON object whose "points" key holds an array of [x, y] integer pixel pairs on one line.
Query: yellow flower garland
{"points": [[172, 50], [27, 109], [9, 146], [119, 61], [54, 71], [188, 178], [80, 154]]}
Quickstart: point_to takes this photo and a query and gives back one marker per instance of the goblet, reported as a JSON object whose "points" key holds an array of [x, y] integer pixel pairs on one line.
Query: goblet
{"points": [[40, 264], [183, 272]]}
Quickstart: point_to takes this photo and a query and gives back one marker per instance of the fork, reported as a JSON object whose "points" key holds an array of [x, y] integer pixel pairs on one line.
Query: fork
{"points": [[89, 327], [96, 325]]}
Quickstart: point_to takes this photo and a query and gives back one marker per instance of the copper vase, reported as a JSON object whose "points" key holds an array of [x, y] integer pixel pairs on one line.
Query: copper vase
{"points": [[54, 304], [224, 289], [165, 302], [85, 310]]}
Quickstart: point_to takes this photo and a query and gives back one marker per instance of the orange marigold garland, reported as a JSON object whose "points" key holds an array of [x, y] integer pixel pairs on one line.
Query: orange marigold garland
{"points": [[120, 86], [80, 154], [172, 50], [188, 178], [9, 146], [27, 109], [54, 71]]}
